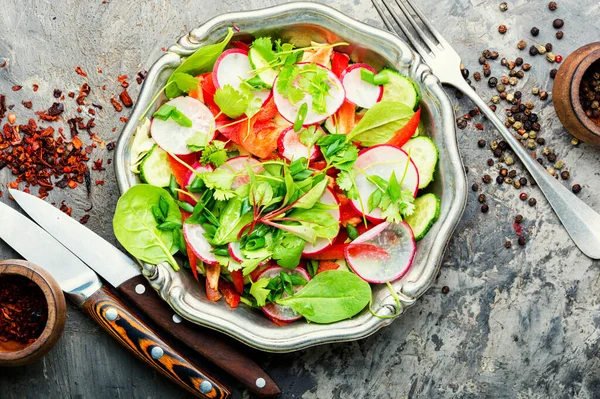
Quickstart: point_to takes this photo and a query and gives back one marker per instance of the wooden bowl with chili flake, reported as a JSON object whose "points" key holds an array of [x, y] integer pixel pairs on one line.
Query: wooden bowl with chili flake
{"points": [[32, 312], [575, 100]]}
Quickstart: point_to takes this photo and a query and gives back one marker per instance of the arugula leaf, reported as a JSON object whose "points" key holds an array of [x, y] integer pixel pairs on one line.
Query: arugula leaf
{"points": [[214, 153], [259, 291], [380, 123], [231, 102], [170, 112], [264, 46], [201, 61], [330, 296], [288, 249], [185, 82]]}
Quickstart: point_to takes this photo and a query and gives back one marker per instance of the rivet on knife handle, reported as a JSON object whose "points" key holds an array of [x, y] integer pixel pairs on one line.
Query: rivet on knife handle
{"points": [[136, 336], [211, 345]]}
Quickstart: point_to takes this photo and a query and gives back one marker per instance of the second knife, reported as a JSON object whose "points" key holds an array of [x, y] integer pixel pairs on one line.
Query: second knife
{"points": [[124, 274]]}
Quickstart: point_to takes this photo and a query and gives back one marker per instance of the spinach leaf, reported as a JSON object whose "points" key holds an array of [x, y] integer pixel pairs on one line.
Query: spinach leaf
{"points": [[201, 61], [320, 220], [136, 229], [330, 296], [231, 220], [288, 249], [313, 195], [380, 123]]}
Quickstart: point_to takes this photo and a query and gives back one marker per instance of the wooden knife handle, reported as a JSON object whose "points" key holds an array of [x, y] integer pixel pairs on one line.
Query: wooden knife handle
{"points": [[114, 316], [218, 348]]}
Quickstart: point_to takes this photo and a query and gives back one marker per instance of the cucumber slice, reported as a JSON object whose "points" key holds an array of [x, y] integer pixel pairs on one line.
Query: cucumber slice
{"points": [[427, 211], [267, 74], [400, 88], [155, 168], [424, 154]]}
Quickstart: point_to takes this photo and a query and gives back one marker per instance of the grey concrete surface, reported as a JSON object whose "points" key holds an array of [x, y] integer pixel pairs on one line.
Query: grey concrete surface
{"points": [[516, 323]]}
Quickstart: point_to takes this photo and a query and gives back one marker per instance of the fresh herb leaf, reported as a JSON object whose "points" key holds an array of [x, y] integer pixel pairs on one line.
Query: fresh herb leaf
{"points": [[197, 186], [313, 195], [170, 112], [214, 153], [197, 142], [310, 135], [288, 249], [380, 123], [186, 206], [374, 199], [179, 240], [286, 83], [185, 82], [249, 265], [135, 227], [201, 61], [231, 102], [302, 111], [346, 181], [330, 296], [220, 181], [307, 233], [264, 46], [231, 219], [312, 266], [259, 291]]}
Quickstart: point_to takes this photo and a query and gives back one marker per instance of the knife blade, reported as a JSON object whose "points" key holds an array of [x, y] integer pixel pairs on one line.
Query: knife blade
{"points": [[123, 273], [84, 287]]}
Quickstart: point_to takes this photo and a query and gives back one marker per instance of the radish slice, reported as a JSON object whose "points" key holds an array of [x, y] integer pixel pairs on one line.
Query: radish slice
{"points": [[235, 251], [328, 198], [334, 100], [381, 160], [238, 164], [290, 147], [189, 179], [172, 137], [232, 67], [397, 248], [194, 236], [359, 92], [283, 313]]}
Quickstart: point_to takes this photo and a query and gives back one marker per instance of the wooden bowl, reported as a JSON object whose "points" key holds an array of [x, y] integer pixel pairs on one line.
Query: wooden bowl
{"points": [[16, 354], [566, 93]]}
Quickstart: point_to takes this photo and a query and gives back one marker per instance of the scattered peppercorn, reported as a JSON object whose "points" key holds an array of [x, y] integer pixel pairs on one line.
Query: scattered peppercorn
{"points": [[521, 44], [532, 201], [522, 240], [487, 179], [552, 6], [558, 58], [576, 188], [503, 6], [523, 196], [502, 29], [492, 82], [485, 208], [475, 187], [481, 198], [565, 175], [553, 73], [445, 289], [558, 23], [518, 219], [560, 34], [543, 95], [507, 244], [533, 50], [481, 143], [535, 31]]}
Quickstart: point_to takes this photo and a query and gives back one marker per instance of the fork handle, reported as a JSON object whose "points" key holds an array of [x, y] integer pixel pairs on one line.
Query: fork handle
{"points": [[581, 222]]}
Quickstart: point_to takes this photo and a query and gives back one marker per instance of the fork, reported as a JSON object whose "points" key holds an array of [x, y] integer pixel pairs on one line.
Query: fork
{"points": [[581, 222]]}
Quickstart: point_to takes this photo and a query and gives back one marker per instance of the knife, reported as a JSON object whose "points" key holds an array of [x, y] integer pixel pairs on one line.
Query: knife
{"points": [[124, 275], [86, 290]]}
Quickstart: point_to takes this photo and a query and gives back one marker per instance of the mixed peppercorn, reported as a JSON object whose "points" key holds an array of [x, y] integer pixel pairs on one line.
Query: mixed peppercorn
{"points": [[589, 93], [520, 116]]}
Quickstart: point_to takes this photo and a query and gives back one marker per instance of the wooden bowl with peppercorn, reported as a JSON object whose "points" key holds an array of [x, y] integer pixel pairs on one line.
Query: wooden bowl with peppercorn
{"points": [[577, 93], [32, 312]]}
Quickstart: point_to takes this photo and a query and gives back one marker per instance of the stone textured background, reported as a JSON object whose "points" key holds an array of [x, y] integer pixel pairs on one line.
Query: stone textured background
{"points": [[516, 323]]}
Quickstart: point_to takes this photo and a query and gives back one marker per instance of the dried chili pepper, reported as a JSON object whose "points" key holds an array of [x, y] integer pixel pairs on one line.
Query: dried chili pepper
{"points": [[118, 107], [126, 99], [84, 219], [23, 309], [84, 91], [80, 72]]}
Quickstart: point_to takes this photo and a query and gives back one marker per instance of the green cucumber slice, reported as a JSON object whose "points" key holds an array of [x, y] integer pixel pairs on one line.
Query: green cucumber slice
{"points": [[266, 74], [427, 211], [401, 89], [424, 154], [155, 168]]}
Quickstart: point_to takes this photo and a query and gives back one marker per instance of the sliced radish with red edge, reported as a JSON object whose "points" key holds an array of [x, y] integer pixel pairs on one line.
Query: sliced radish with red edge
{"points": [[335, 98], [328, 198], [172, 137], [359, 92], [290, 146], [278, 312], [238, 164], [382, 160], [190, 177], [396, 248], [194, 237], [232, 67]]}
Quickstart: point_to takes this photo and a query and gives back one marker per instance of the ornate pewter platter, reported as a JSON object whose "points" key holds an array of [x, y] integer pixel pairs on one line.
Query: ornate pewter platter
{"points": [[300, 23]]}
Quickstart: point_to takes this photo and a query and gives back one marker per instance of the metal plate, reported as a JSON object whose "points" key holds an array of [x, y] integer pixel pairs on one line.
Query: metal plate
{"points": [[300, 23]]}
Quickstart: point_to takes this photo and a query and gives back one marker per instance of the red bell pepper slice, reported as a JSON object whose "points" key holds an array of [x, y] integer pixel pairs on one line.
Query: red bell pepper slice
{"points": [[339, 62], [407, 131], [325, 265], [240, 45], [212, 282], [238, 280], [228, 290], [338, 251]]}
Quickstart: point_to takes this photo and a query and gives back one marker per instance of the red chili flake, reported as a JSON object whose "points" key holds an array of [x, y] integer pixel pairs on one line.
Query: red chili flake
{"points": [[89, 149], [27, 190], [57, 93], [479, 126], [558, 59], [109, 161], [52, 113], [235, 28], [123, 119], [100, 182], [84, 219], [111, 146], [35, 87], [99, 70], [122, 78], [80, 72], [126, 99], [17, 88], [91, 111], [71, 94], [115, 103], [103, 87], [61, 132], [2, 106], [518, 229], [84, 91], [125, 85], [114, 129], [73, 184], [141, 75], [3, 64], [77, 143], [98, 165], [13, 184], [65, 208], [163, 49], [79, 109], [23, 309], [97, 106], [73, 126], [27, 104]]}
